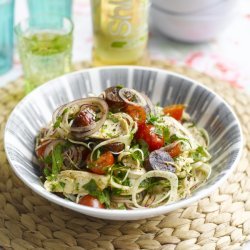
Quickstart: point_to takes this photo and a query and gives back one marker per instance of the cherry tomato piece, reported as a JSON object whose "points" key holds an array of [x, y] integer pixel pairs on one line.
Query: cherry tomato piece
{"points": [[138, 113], [147, 133], [175, 151], [140, 131], [40, 151], [90, 201], [100, 165], [175, 111]]}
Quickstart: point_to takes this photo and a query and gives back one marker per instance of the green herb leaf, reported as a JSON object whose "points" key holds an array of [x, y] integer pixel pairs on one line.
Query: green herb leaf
{"points": [[110, 135], [46, 172], [158, 131], [166, 134], [57, 159], [118, 173], [62, 184], [121, 207], [119, 86], [152, 119], [96, 155], [58, 122], [174, 138], [198, 153], [126, 182], [59, 118], [54, 187], [146, 183], [118, 44], [136, 155], [116, 191], [144, 148], [48, 160], [92, 188], [65, 111], [77, 186], [118, 166], [112, 117], [191, 125], [103, 196], [155, 185]]}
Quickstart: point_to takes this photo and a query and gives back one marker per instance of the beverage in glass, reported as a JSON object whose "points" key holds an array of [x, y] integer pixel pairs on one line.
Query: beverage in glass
{"points": [[6, 34], [120, 30], [50, 7], [45, 52]]}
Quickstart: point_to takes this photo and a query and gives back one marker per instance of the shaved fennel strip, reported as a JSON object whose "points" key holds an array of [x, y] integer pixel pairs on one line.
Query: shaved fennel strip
{"points": [[205, 168], [80, 143], [178, 125], [135, 174], [119, 186], [125, 154], [132, 124], [207, 153], [126, 176], [139, 150], [154, 203], [205, 135], [127, 189], [157, 173]]}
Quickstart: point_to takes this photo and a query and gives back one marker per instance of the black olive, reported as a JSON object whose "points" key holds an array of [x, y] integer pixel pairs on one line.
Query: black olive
{"points": [[84, 118], [157, 161], [114, 147], [114, 101]]}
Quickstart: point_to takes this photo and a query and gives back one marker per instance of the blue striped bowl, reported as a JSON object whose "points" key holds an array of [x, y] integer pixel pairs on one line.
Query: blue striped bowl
{"points": [[206, 108]]}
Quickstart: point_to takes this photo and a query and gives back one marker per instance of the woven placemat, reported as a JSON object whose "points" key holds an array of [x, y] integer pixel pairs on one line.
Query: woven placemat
{"points": [[220, 221]]}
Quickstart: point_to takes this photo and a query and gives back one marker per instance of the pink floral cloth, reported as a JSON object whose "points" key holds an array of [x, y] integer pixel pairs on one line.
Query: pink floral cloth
{"points": [[227, 57]]}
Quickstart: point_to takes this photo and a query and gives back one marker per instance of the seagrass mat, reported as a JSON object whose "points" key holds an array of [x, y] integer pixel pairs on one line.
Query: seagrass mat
{"points": [[220, 221]]}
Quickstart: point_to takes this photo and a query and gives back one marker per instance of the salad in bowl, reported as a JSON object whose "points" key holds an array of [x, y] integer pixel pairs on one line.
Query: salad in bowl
{"points": [[120, 151]]}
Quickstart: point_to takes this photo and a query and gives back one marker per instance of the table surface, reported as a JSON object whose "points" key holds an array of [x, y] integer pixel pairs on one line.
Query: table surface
{"points": [[227, 57]]}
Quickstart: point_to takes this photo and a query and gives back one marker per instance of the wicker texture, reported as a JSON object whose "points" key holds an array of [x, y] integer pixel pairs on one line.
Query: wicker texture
{"points": [[220, 221]]}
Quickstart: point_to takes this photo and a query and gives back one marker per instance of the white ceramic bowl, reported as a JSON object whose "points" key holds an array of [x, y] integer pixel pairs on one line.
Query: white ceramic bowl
{"points": [[190, 28], [206, 108], [221, 9], [190, 6]]}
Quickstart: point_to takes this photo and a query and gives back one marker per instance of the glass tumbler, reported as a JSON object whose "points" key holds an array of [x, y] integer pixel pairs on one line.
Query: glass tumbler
{"points": [[52, 7], [120, 30], [45, 50], [6, 34]]}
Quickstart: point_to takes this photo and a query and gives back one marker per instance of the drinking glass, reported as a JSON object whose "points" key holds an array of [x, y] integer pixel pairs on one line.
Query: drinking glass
{"points": [[45, 50], [6, 34], [50, 7], [120, 30]]}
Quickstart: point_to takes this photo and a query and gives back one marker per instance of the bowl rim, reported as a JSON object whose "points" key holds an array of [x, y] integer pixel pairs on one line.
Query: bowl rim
{"points": [[116, 214], [204, 6], [194, 17]]}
